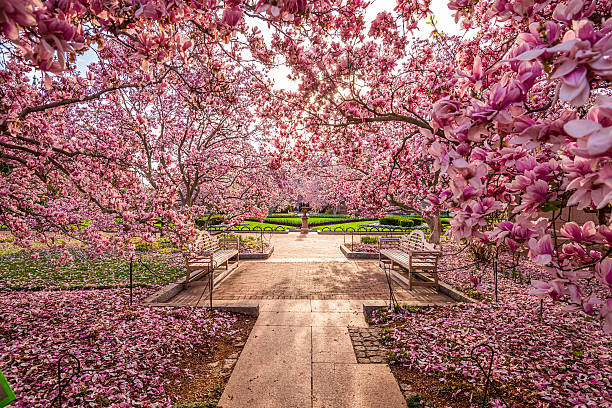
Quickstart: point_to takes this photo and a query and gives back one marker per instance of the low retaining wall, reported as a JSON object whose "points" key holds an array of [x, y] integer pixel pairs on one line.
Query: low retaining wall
{"points": [[165, 294], [357, 255], [445, 288], [256, 255], [453, 293]]}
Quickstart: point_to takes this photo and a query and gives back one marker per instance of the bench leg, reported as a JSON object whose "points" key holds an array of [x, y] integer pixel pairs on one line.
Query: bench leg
{"points": [[410, 273], [211, 283], [187, 275]]}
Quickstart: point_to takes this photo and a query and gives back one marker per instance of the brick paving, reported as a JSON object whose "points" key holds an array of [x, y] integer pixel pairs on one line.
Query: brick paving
{"points": [[309, 266], [366, 344], [316, 280]]}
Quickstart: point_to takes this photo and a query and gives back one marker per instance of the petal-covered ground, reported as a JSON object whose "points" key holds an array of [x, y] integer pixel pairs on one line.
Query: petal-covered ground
{"points": [[129, 350], [563, 360], [37, 268]]}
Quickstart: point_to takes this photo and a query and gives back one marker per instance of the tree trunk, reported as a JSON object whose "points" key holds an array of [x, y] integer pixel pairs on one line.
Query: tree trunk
{"points": [[603, 216], [435, 226]]}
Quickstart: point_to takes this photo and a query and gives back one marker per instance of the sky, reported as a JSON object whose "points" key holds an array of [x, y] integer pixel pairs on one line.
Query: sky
{"points": [[444, 20]]}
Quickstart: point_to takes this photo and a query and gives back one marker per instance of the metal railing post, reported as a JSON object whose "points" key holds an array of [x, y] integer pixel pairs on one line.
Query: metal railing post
{"points": [[131, 281]]}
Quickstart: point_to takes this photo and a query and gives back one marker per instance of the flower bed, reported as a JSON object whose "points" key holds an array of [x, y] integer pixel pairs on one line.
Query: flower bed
{"points": [[132, 350], [562, 361]]}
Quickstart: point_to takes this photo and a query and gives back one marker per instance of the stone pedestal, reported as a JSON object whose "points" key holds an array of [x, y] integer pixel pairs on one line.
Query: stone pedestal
{"points": [[305, 228]]}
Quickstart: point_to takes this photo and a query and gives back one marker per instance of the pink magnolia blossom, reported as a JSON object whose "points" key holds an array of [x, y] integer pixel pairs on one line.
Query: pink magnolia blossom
{"points": [[14, 13], [231, 16], [594, 138], [604, 271], [606, 312], [554, 289], [541, 251], [577, 233]]}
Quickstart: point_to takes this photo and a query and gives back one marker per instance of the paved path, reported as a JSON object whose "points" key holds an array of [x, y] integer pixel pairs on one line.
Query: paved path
{"points": [[316, 280], [310, 266], [296, 247], [299, 354]]}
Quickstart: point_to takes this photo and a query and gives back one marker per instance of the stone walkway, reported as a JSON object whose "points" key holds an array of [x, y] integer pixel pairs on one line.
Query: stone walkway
{"points": [[300, 352]]}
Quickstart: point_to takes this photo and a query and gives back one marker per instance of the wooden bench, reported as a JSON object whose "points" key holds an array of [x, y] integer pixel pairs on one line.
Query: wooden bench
{"points": [[210, 253], [412, 253]]}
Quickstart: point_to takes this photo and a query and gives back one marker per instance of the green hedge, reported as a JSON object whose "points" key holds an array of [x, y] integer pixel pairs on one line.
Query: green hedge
{"points": [[311, 215], [401, 221]]}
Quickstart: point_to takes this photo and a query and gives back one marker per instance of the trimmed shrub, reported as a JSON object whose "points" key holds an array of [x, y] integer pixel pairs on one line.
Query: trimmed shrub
{"points": [[401, 221], [406, 223], [389, 221], [369, 240]]}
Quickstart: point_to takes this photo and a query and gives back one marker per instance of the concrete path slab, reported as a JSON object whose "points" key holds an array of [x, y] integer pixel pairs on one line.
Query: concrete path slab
{"points": [[355, 386], [278, 345], [298, 358], [332, 345], [268, 386], [337, 305], [309, 319], [285, 305], [274, 370]]}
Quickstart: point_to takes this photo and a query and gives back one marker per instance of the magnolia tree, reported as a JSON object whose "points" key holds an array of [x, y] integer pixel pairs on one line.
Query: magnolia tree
{"points": [[112, 154], [501, 126], [530, 133], [197, 136], [517, 118]]}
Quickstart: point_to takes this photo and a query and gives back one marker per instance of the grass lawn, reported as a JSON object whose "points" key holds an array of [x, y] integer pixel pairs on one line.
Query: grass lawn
{"points": [[354, 225]]}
